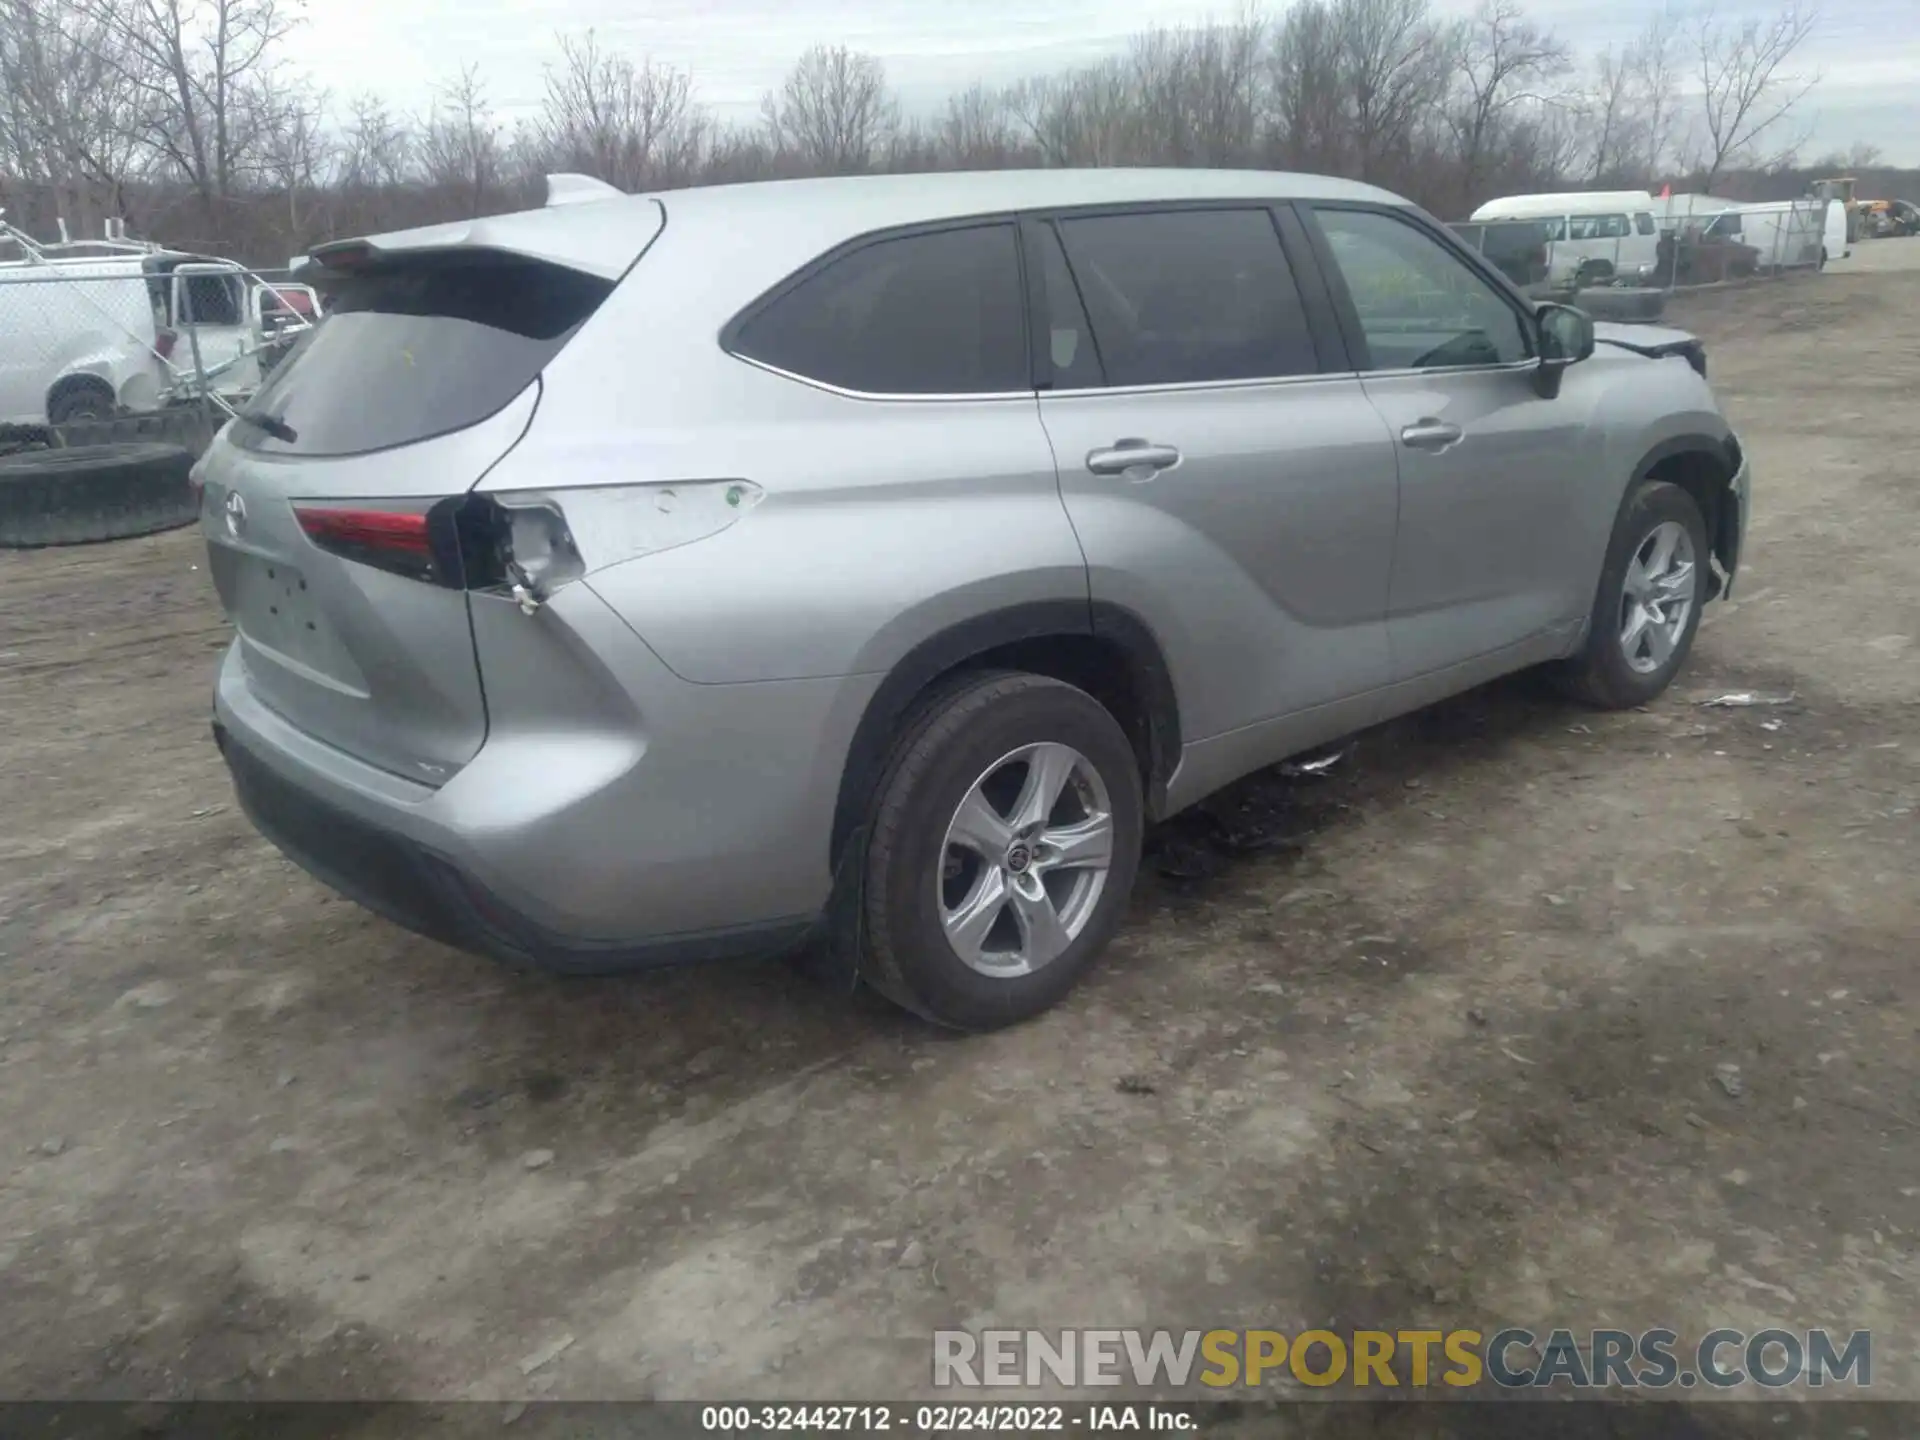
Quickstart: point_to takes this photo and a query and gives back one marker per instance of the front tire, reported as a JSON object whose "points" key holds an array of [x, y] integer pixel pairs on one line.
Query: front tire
{"points": [[1647, 609], [1004, 845]]}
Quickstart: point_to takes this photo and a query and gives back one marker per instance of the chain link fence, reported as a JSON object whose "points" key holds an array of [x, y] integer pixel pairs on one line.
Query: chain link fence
{"points": [[137, 342], [1599, 252]]}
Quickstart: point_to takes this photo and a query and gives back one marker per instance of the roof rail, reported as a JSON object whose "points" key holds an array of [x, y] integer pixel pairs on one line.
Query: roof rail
{"points": [[570, 189]]}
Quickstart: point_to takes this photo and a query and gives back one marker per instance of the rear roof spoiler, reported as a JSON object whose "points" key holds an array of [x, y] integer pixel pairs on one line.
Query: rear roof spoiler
{"points": [[586, 225], [570, 189]]}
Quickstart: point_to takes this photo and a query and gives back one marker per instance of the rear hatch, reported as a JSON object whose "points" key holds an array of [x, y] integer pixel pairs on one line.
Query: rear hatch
{"points": [[320, 501]]}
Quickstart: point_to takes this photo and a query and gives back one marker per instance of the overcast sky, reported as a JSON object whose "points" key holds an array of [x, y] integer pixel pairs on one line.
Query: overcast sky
{"points": [[1867, 51]]}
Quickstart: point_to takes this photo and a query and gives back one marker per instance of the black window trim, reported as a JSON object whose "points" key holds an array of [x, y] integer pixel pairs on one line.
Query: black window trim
{"points": [[730, 332], [1323, 328], [1349, 315], [1332, 348]]}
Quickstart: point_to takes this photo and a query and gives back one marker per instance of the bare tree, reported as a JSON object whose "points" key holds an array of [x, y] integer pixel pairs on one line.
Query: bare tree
{"points": [[1307, 89], [297, 147], [634, 126], [67, 115], [199, 73], [833, 110], [460, 147], [1500, 59], [1199, 93], [1394, 65], [376, 148], [1088, 116], [1609, 115], [977, 131], [1746, 91], [1654, 60]]}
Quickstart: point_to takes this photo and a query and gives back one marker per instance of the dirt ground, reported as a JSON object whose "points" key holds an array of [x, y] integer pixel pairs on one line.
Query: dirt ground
{"points": [[1444, 1037]]}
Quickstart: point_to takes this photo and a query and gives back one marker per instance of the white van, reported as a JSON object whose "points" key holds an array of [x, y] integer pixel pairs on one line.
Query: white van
{"points": [[89, 337], [1591, 235]]}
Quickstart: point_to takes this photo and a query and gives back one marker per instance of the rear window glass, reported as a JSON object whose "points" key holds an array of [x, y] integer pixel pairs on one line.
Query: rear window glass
{"points": [[409, 351], [939, 313], [1189, 296]]}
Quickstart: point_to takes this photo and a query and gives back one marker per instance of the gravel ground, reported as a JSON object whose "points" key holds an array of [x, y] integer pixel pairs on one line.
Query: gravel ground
{"points": [[1523, 1014]]}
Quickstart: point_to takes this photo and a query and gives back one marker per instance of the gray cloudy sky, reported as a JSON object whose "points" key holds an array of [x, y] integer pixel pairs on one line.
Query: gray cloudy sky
{"points": [[1867, 52]]}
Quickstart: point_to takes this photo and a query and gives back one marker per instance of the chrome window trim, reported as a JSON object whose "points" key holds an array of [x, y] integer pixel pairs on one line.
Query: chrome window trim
{"points": [[895, 397], [1184, 387]]}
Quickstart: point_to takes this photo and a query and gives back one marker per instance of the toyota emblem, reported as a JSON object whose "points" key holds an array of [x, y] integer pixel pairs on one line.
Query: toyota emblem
{"points": [[236, 514]]}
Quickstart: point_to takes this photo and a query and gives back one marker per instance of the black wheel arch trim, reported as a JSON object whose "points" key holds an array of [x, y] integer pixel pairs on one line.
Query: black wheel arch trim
{"points": [[1723, 526], [951, 649], [1723, 448]]}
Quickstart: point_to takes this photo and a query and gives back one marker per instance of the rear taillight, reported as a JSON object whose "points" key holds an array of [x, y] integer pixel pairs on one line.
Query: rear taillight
{"points": [[163, 343], [520, 548], [524, 544], [392, 540]]}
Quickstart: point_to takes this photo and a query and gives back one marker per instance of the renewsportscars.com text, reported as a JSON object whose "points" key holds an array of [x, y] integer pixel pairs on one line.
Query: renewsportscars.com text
{"points": [[1389, 1359]]}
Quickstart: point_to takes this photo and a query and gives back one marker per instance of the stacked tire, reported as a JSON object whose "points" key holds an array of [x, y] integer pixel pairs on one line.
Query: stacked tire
{"points": [[75, 495]]}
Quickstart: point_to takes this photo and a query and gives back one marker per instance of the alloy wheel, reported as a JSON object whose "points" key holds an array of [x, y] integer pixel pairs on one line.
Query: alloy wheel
{"points": [[1026, 859]]}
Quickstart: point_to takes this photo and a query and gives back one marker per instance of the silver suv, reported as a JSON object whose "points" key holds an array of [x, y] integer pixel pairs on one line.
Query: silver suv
{"points": [[650, 579]]}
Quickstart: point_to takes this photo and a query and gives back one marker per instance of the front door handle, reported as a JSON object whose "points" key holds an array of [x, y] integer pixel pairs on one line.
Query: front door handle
{"points": [[1135, 459], [1430, 434]]}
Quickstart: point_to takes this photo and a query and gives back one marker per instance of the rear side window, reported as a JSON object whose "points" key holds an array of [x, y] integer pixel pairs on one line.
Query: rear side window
{"points": [[937, 313], [1071, 352], [1597, 227], [414, 349], [1643, 222], [1185, 296]]}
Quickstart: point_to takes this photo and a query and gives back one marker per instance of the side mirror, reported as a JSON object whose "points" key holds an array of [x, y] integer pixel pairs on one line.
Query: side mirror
{"points": [[1566, 338]]}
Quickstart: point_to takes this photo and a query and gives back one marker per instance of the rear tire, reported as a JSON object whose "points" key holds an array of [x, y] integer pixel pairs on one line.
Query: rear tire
{"points": [[83, 399], [1646, 611], [938, 937], [107, 492]]}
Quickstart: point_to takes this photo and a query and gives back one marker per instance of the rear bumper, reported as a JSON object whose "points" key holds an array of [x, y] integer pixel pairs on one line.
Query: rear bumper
{"points": [[403, 881], [616, 816]]}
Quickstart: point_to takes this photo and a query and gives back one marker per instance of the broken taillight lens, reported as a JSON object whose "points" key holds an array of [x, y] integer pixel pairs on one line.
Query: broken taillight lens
{"points": [[525, 544], [392, 540]]}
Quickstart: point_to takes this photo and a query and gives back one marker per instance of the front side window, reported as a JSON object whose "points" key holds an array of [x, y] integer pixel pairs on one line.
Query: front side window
{"points": [[938, 313], [1189, 296], [1420, 306], [1643, 223]]}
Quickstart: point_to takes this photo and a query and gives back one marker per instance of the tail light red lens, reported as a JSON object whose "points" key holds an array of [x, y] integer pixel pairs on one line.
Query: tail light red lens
{"points": [[394, 540]]}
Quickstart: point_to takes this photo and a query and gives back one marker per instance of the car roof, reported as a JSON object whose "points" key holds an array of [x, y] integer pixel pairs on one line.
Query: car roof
{"points": [[873, 202], [800, 218]]}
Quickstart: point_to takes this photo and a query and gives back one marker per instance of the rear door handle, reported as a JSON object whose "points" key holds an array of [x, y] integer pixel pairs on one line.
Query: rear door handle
{"points": [[1135, 459], [1430, 434]]}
